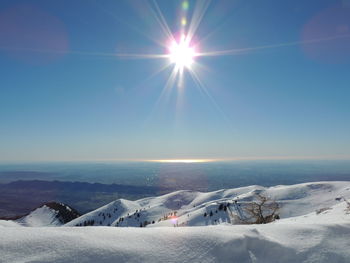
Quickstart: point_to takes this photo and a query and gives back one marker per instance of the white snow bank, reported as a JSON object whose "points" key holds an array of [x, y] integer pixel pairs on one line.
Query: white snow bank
{"points": [[223, 243], [8, 223]]}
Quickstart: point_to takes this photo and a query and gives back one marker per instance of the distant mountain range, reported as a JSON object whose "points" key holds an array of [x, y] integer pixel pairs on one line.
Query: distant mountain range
{"points": [[20, 197]]}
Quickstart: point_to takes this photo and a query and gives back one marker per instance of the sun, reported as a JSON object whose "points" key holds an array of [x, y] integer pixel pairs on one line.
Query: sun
{"points": [[181, 53]]}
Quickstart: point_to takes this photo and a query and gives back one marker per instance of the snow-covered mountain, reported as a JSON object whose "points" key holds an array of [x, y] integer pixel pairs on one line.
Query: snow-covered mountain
{"points": [[49, 214], [314, 226], [189, 208]]}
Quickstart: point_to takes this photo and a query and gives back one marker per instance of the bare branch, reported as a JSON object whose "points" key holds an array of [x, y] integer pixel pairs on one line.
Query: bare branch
{"points": [[263, 210]]}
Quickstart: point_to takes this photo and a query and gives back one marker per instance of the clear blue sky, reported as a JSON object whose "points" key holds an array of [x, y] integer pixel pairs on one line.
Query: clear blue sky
{"points": [[65, 96]]}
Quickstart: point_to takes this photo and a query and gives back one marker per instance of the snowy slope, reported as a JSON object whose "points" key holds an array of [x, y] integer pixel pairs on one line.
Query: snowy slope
{"points": [[314, 227], [50, 214], [189, 208], [224, 243], [43, 216]]}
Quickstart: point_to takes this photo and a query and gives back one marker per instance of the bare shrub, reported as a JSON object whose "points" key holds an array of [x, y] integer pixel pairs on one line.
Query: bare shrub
{"points": [[261, 211], [321, 210]]}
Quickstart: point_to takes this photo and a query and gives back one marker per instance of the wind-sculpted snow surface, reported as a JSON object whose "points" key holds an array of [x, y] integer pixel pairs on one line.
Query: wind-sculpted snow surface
{"points": [[224, 243], [314, 227]]}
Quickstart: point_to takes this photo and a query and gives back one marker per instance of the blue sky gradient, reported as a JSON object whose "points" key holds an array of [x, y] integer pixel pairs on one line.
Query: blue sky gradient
{"points": [[64, 95]]}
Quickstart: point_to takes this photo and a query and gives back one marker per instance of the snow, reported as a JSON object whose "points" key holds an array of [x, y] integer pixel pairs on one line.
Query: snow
{"points": [[8, 223], [42, 216], [314, 227], [190, 206], [222, 243]]}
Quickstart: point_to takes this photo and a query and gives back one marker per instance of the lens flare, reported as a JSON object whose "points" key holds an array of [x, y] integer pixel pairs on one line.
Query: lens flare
{"points": [[185, 5], [182, 53], [174, 219]]}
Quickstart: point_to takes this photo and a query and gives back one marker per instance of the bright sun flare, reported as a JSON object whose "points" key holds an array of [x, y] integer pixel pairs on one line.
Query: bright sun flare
{"points": [[181, 53]]}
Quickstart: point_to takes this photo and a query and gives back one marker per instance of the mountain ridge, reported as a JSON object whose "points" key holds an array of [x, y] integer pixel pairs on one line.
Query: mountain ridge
{"points": [[192, 208]]}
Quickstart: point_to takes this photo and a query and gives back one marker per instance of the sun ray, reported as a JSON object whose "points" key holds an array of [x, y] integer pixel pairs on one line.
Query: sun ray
{"points": [[167, 56], [165, 93], [160, 70], [87, 53], [180, 91], [141, 56], [161, 20], [242, 50], [206, 92], [153, 75], [198, 14], [168, 86]]}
